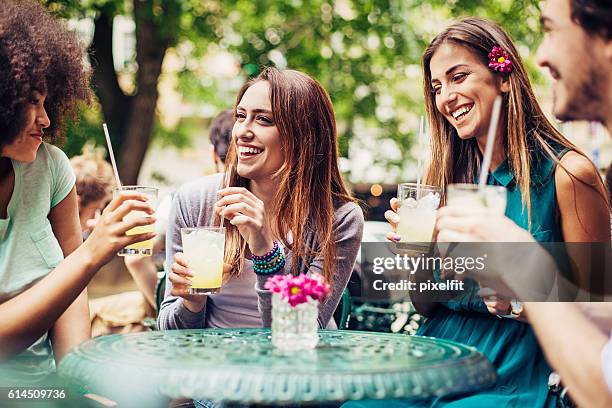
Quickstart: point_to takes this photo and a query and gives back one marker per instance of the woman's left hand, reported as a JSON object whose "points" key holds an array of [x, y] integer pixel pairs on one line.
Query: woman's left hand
{"points": [[244, 210]]}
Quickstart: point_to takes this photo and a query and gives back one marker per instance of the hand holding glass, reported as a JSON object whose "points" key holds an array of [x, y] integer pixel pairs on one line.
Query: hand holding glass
{"points": [[471, 196], [143, 247], [417, 211], [489, 197]]}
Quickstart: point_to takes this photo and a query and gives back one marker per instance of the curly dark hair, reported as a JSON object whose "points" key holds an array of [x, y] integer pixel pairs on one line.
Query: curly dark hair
{"points": [[595, 16], [37, 53]]}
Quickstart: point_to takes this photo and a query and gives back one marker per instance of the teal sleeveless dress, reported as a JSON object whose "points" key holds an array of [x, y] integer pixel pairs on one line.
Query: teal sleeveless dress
{"points": [[510, 345]]}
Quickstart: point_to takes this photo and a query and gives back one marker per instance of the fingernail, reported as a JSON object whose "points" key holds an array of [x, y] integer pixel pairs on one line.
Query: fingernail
{"points": [[396, 238]]}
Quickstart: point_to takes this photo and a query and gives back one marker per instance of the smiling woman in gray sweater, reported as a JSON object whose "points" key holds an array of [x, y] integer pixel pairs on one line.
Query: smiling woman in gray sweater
{"points": [[286, 192]]}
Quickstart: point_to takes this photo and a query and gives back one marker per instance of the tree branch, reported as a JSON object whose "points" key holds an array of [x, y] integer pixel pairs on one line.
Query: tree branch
{"points": [[151, 49], [115, 104]]}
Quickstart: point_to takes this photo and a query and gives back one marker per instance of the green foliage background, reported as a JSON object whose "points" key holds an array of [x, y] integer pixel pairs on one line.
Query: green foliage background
{"points": [[366, 53]]}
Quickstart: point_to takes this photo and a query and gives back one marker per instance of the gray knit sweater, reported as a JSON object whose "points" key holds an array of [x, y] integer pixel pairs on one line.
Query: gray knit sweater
{"points": [[243, 301]]}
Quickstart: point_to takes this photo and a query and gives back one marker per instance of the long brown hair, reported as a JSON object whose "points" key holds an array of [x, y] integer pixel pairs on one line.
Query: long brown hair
{"points": [[309, 185], [526, 128]]}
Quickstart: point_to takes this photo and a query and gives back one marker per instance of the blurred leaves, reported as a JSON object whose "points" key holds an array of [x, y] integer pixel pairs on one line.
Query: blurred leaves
{"points": [[87, 129], [366, 53], [181, 135]]}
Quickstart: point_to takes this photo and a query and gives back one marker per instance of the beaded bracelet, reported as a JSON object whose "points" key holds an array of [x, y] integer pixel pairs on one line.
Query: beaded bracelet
{"points": [[259, 270], [271, 262], [269, 256]]}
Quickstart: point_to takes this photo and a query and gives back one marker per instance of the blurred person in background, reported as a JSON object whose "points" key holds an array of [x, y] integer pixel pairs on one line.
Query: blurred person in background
{"points": [[220, 138], [145, 269], [94, 187], [121, 312]]}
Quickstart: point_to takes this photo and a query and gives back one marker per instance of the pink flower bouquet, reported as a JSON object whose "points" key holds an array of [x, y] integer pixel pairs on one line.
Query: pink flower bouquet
{"points": [[298, 289]]}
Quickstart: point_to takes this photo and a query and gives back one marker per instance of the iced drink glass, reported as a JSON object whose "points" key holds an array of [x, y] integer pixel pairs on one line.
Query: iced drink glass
{"points": [[143, 247], [203, 248], [470, 196], [417, 211]]}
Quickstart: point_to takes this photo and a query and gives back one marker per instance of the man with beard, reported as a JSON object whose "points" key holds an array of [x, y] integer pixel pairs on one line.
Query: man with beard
{"points": [[577, 50]]}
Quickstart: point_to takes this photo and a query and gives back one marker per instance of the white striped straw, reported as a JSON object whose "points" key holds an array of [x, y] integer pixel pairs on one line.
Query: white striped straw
{"points": [[112, 155], [486, 161], [419, 155]]}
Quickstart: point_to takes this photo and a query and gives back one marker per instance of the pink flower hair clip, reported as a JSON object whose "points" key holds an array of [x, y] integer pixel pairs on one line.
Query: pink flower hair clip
{"points": [[500, 61]]}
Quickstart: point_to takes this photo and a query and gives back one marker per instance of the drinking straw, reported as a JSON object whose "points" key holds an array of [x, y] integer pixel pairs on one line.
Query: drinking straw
{"points": [[486, 161], [222, 219], [112, 155], [419, 158], [225, 185]]}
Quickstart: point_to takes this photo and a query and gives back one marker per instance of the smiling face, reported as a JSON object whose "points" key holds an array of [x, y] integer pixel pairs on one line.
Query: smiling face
{"points": [[24, 147], [577, 63], [256, 135], [464, 89]]}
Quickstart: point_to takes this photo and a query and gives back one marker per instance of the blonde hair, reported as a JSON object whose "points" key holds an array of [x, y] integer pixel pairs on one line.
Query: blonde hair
{"points": [[94, 177]]}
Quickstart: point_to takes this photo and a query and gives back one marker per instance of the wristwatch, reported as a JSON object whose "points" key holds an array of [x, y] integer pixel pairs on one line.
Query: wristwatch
{"points": [[516, 308]]}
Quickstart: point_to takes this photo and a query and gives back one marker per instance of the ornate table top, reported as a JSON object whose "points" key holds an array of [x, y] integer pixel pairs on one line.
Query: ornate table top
{"points": [[241, 365]]}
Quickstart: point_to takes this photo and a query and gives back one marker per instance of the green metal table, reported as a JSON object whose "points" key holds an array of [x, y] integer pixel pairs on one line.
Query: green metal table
{"points": [[242, 366]]}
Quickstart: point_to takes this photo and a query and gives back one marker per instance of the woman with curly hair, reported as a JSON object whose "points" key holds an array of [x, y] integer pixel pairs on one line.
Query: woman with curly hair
{"points": [[43, 304]]}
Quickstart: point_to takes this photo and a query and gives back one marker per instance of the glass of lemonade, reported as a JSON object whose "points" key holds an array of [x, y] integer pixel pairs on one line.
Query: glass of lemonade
{"points": [[469, 195], [203, 248], [143, 247], [417, 211]]}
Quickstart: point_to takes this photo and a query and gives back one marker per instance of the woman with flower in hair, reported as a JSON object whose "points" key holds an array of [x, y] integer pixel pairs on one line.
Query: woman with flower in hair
{"points": [[286, 209], [553, 191], [43, 303]]}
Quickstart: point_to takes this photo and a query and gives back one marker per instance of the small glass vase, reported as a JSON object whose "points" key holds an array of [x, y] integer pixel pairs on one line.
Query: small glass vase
{"points": [[294, 328]]}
